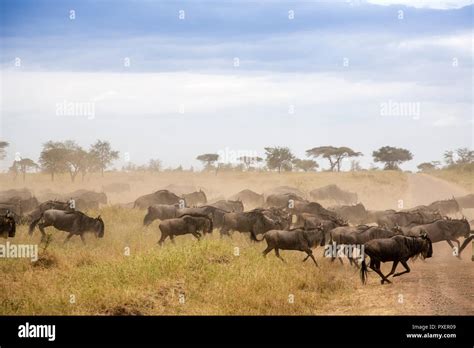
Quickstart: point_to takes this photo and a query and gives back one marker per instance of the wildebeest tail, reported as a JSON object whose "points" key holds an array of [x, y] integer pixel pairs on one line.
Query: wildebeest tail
{"points": [[33, 224], [363, 272]]}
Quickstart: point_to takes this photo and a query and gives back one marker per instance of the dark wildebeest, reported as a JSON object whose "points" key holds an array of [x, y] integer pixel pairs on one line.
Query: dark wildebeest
{"points": [[356, 213], [333, 193], [159, 197], [449, 230], [74, 222], [283, 200], [35, 214], [255, 221], [356, 236], [316, 209], [160, 212], [216, 214], [309, 221], [408, 218], [7, 225], [295, 239], [230, 206], [195, 199], [399, 248], [446, 207], [116, 187], [19, 206], [249, 198], [186, 224]]}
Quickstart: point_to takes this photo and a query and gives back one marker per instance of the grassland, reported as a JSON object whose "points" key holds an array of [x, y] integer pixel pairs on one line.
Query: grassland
{"points": [[126, 272]]}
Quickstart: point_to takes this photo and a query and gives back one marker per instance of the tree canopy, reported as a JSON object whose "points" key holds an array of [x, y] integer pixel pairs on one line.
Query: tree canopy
{"points": [[333, 154], [392, 157]]}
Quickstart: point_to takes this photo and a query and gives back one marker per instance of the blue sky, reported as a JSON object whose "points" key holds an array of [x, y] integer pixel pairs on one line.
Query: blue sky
{"points": [[336, 64]]}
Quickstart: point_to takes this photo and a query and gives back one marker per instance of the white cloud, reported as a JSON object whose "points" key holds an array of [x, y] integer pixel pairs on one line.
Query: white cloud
{"points": [[447, 121]]}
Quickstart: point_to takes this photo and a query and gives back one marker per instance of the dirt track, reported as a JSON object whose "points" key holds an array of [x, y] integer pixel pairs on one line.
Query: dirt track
{"points": [[441, 285]]}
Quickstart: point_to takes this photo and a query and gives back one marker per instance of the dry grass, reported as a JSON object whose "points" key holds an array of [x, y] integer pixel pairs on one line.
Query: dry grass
{"points": [[212, 279], [460, 177]]}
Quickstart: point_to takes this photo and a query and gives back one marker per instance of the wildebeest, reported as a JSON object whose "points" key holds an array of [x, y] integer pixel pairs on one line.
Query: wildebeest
{"points": [[116, 187], [295, 239], [195, 198], [408, 218], [74, 222], [230, 206], [20, 193], [399, 248], [158, 197], [256, 222], [160, 212], [333, 193], [285, 190], [249, 198], [216, 214], [59, 205], [446, 207], [316, 209], [7, 225], [19, 206], [356, 213], [88, 196], [356, 236], [283, 200], [375, 215], [449, 230], [186, 224]]}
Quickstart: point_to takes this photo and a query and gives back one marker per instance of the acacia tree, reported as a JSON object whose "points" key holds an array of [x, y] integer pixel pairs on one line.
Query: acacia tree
{"points": [[208, 160], [305, 165], [426, 166], [53, 158], [102, 155], [392, 157], [154, 165], [23, 166], [334, 155], [279, 158]]}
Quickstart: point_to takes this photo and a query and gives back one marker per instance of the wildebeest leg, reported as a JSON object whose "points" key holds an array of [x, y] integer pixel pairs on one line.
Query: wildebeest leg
{"points": [[310, 254], [43, 233], [162, 239], [277, 253], [197, 235], [172, 239], [394, 267], [83, 239], [68, 237], [405, 264], [266, 251], [452, 246], [375, 265]]}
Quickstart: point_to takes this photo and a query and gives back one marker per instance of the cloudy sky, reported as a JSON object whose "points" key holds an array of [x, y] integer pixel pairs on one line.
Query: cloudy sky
{"points": [[174, 79]]}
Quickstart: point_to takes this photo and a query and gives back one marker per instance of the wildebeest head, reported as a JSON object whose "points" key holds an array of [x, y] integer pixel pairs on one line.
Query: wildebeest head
{"points": [[427, 247], [99, 227]]}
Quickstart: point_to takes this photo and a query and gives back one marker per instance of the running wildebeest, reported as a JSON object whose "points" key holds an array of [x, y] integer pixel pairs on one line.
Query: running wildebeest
{"points": [[88, 196], [7, 225], [256, 222], [230, 206], [466, 202], [397, 249], [216, 214], [160, 212], [74, 222], [449, 230], [158, 197], [283, 200], [249, 198], [295, 239], [333, 193], [59, 205], [408, 218], [195, 199], [279, 190], [186, 224], [356, 236], [356, 213]]}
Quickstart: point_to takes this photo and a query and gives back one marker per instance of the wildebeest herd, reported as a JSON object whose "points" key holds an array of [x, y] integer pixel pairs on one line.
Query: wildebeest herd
{"points": [[285, 218]]}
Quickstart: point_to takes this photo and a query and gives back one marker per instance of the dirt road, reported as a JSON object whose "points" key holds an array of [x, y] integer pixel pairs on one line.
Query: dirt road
{"points": [[441, 285]]}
